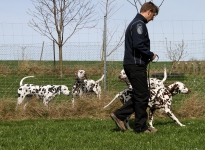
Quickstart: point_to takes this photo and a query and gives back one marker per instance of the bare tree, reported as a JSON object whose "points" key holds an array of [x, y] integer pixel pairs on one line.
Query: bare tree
{"points": [[177, 53], [109, 8], [134, 3], [58, 20]]}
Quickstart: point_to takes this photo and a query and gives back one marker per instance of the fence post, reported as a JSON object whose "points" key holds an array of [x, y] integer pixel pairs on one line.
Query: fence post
{"points": [[42, 50], [104, 48]]}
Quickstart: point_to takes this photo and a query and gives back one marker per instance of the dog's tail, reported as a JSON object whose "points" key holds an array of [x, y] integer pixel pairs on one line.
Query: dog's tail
{"points": [[112, 100], [21, 82], [100, 79], [165, 74]]}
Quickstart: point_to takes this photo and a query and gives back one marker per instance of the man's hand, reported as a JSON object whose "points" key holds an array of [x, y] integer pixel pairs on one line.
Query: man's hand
{"points": [[154, 57]]}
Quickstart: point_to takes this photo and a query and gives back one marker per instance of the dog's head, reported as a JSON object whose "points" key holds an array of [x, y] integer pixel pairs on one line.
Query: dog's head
{"points": [[64, 90], [81, 75], [178, 87], [122, 76]]}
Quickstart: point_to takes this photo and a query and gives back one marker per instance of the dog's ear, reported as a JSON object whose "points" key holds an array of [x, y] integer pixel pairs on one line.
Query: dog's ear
{"points": [[58, 90], [173, 88], [55, 90], [85, 76], [76, 75], [122, 79]]}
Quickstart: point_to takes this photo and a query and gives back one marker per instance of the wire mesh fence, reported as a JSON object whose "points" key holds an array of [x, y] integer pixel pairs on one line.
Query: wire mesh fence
{"points": [[18, 61], [42, 59]]}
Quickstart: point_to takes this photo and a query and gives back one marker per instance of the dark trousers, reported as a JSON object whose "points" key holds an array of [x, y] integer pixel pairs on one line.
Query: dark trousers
{"points": [[137, 76]]}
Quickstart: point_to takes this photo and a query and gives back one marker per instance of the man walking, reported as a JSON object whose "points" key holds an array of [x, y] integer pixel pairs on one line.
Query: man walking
{"points": [[137, 55]]}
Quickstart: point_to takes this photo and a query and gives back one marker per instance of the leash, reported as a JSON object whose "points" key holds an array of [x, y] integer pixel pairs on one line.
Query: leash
{"points": [[149, 69]]}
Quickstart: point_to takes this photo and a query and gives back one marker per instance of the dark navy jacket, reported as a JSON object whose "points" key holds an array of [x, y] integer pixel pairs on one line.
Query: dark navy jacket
{"points": [[137, 42]]}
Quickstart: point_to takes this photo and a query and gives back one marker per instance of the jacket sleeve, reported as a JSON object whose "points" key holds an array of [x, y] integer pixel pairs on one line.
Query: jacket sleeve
{"points": [[141, 40]]}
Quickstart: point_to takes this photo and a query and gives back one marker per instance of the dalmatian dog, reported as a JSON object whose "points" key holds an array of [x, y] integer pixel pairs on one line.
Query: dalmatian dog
{"points": [[82, 85], [78, 89], [43, 92], [152, 82], [94, 86], [79, 86], [160, 98], [126, 93]]}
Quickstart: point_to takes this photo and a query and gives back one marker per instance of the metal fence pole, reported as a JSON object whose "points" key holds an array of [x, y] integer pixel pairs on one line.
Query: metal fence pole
{"points": [[42, 50], [104, 48]]}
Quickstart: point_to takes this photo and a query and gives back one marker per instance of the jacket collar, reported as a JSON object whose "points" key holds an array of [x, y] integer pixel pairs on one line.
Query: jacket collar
{"points": [[141, 18]]}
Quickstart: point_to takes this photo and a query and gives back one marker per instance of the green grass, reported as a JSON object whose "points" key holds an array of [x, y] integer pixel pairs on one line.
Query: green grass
{"points": [[98, 134]]}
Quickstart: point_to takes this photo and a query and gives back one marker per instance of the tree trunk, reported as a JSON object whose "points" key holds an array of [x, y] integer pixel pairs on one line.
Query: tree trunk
{"points": [[61, 60]]}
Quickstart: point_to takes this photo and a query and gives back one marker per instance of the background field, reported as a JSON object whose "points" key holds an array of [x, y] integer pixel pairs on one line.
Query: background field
{"points": [[89, 106]]}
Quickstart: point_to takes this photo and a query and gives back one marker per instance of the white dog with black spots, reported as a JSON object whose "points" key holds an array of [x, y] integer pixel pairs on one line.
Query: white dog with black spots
{"points": [[43, 92]]}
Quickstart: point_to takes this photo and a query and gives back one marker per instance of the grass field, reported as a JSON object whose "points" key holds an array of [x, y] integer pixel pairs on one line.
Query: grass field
{"points": [[87, 125]]}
